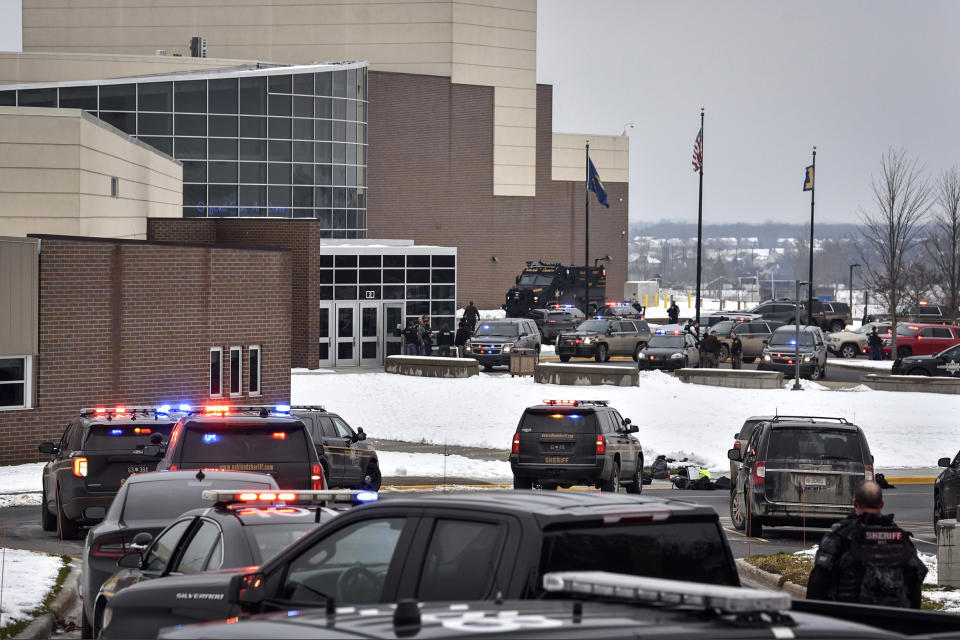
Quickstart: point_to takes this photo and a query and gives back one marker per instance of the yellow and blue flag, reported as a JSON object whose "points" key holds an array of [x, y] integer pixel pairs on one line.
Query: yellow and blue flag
{"points": [[595, 184], [808, 179]]}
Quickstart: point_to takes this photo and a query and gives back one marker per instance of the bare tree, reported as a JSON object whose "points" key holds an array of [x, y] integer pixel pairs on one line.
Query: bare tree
{"points": [[944, 243], [901, 198]]}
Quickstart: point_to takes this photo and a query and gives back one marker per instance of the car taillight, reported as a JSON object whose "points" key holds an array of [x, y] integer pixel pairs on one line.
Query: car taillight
{"points": [[516, 443], [173, 467], [601, 445], [868, 472], [316, 479], [109, 549], [760, 473], [80, 467]]}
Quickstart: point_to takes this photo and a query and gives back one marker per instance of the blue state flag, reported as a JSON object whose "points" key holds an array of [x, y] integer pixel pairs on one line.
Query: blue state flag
{"points": [[595, 184], [808, 179]]}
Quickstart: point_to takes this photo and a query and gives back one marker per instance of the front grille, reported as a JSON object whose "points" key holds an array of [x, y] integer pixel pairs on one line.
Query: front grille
{"points": [[487, 349]]}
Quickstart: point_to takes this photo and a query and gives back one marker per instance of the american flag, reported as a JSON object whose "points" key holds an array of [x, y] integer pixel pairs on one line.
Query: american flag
{"points": [[698, 152]]}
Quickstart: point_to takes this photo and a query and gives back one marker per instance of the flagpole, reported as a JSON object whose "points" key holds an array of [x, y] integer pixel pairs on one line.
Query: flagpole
{"points": [[699, 221], [813, 185], [586, 235]]}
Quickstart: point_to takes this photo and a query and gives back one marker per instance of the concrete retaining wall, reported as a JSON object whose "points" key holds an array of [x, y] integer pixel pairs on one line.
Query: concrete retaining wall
{"points": [[586, 374], [736, 378], [922, 384], [428, 367]]}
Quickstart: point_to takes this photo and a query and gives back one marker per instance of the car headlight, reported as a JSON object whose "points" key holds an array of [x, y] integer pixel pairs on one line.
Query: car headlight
{"points": [[807, 358], [676, 356], [507, 347], [641, 355], [766, 357], [468, 347], [587, 340]]}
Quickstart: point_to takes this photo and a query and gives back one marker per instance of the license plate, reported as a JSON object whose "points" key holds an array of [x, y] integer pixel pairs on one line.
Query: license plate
{"points": [[814, 481], [558, 447], [137, 468]]}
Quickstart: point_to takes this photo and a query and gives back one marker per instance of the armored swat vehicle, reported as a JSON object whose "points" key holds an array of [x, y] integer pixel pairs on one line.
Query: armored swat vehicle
{"points": [[543, 283]]}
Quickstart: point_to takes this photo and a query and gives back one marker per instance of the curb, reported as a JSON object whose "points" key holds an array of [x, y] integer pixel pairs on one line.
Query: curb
{"points": [[910, 479], [768, 580], [42, 627]]}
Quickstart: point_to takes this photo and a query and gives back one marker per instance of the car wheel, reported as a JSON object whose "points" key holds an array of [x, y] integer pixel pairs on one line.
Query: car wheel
{"points": [[521, 483], [98, 610], [817, 373], [372, 478], [724, 352], [67, 529], [564, 358], [86, 629], [637, 485], [749, 360], [601, 353], [613, 484], [738, 511], [488, 367], [917, 371], [904, 352], [636, 352], [837, 326], [686, 362], [937, 510], [48, 521], [849, 351]]}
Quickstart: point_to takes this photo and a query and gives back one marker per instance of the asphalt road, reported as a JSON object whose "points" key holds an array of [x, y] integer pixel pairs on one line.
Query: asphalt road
{"points": [[912, 504]]}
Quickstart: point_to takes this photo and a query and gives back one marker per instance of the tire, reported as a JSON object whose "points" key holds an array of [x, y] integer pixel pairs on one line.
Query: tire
{"points": [[488, 367], [602, 353], [917, 371], [520, 483], [849, 351], [372, 478], [937, 510], [904, 352], [564, 358], [817, 373], [613, 484], [637, 485], [837, 326], [724, 352], [748, 360], [636, 352], [86, 629], [738, 511], [48, 521], [66, 528]]}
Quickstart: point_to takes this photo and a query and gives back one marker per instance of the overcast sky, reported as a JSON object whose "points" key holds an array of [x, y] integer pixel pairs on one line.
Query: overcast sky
{"points": [[776, 78]]}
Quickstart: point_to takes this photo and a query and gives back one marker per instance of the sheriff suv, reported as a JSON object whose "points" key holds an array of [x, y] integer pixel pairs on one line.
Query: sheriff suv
{"points": [[246, 438], [348, 460], [601, 339], [567, 442], [98, 451], [494, 341]]}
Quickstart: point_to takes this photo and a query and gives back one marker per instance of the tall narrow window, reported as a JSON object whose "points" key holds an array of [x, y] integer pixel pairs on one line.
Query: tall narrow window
{"points": [[15, 383], [254, 365], [236, 365], [216, 372]]}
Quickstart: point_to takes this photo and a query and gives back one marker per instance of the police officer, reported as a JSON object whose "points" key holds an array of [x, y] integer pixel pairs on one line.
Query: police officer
{"points": [[866, 558], [673, 312]]}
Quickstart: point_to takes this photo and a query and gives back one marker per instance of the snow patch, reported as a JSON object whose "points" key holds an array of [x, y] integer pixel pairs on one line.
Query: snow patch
{"points": [[27, 578], [437, 465], [17, 478]]}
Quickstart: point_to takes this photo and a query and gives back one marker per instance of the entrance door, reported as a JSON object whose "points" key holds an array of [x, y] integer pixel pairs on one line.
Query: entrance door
{"points": [[346, 340], [326, 334], [369, 338], [392, 328]]}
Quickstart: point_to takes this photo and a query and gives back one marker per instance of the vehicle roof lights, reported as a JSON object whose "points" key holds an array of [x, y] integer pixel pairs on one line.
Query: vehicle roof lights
{"points": [[320, 498], [666, 592], [282, 408]]}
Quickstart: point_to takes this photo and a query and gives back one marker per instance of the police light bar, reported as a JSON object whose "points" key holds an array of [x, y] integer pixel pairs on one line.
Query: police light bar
{"points": [[246, 496], [666, 592], [128, 411], [572, 403]]}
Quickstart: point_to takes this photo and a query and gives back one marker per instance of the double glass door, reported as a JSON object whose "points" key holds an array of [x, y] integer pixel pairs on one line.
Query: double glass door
{"points": [[350, 332]]}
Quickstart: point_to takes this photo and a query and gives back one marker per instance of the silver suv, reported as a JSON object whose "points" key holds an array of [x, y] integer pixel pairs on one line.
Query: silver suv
{"points": [[780, 352]]}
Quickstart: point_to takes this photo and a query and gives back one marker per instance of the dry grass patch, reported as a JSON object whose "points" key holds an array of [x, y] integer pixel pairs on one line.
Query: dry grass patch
{"points": [[788, 566]]}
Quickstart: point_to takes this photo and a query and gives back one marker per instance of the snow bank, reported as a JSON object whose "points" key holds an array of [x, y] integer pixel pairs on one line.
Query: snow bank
{"points": [[27, 578], [883, 366], [436, 465], [22, 477], [483, 411]]}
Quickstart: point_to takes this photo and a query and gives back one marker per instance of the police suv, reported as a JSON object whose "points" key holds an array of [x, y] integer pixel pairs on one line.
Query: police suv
{"points": [[561, 443], [98, 451]]}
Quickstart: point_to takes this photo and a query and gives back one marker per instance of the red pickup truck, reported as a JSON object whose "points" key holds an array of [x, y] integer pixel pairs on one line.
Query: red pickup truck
{"points": [[916, 339]]}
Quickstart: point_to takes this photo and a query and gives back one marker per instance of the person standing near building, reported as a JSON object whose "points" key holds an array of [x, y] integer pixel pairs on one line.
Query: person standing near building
{"points": [[673, 312], [463, 334], [876, 345], [445, 340], [867, 559], [710, 346], [426, 337], [471, 314], [411, 339], [736, 352]]}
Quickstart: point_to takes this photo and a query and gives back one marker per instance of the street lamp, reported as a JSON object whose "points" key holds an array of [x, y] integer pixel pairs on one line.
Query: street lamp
{"points": [[629, 125], [851, 288]]}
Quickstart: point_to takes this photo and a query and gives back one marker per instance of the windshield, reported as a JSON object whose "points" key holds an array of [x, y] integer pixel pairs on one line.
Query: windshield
{"points": [[496, 329], [723, 328], [533, 279], [789, 339], [207, 442], [267, 540], [161, 500], [125, 437], [815, 443], [666, 342], [906, 330], [596, 326], [562, 421]]}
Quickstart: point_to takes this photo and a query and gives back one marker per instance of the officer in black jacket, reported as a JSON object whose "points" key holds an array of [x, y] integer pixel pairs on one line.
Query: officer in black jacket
{"points": [[463, 334], [866, 558], [445, 340]]}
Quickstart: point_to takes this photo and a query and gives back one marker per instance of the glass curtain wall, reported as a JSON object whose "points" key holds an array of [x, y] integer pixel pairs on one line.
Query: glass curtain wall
{"points": [[252, 145]]}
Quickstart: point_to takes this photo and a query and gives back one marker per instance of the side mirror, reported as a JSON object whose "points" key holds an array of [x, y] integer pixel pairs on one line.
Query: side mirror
{"points": [[360, 434], [632, 428], [627, 421], [247, 588], [141, 541], [734, 454], [153, 451], [766, 342], [130, 561], [943, 462], [47, 447]]}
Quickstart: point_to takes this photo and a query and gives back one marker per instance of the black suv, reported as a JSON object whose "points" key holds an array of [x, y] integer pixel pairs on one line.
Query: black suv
{"points": [[601, 339], [829, 316], [348, 461], [494, 340], [945, 363], [568, 442], [256, 438], [98, 451], [946, 489], [556, 319], [798, 471], [467, 546]]}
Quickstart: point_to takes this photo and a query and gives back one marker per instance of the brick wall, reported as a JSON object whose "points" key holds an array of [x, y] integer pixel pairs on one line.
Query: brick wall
{"points": [[126, 322]]}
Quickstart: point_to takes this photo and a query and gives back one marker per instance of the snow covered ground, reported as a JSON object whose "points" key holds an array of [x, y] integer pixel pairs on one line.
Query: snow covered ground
{"points": [[876, 366], [27, 578], [674, 418], [436, 465], [24, 477]]}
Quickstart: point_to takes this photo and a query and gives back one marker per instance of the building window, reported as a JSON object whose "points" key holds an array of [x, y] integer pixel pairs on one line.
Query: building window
{"points": [[254, 356], [114, 187], [216, 372], [236, 366], [15, 383]]}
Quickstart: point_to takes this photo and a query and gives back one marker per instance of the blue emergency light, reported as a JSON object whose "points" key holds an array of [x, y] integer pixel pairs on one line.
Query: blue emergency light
{"points": [[367, 496], [282, 408], [164, 409], [210, 437], [185, 407], [116, 432]]}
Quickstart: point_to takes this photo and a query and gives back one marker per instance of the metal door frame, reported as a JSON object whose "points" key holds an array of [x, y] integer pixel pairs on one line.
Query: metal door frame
{"points": [[375, 338], [388, 335], [353, 305], [331, 348]]}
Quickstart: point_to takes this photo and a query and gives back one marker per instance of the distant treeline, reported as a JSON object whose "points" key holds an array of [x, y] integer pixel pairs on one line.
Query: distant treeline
{"points": [[767, 232]]}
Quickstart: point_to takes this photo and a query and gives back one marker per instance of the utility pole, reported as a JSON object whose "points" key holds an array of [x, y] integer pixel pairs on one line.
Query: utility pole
{"points": [[851, 288]]}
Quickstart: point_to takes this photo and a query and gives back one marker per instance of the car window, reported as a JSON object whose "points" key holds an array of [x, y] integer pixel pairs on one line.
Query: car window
{"points": [[757, 327], [160, 500], [814, 444], [326, 427], [65, 439], [160, 552], [942, 332], [349, 565], [559, 421], [268, 540], [956, 460], [215, 560], [926, 332], [207, 442], [617, 419], [642, 326], [460, 561], [198, 550], [76, 437], [343, 430], [952, 353]]}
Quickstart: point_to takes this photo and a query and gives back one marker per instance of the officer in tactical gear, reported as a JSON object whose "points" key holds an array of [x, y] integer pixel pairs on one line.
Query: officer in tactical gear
{"points": [[866, 558]]}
